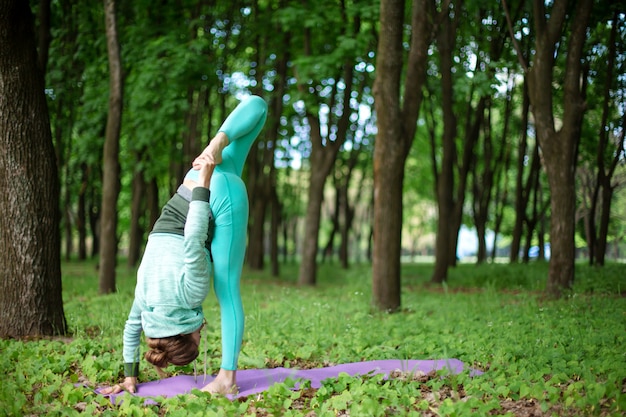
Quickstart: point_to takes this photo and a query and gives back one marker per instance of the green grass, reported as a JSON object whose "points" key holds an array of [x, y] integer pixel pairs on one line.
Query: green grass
{"points": [[540, 357]]}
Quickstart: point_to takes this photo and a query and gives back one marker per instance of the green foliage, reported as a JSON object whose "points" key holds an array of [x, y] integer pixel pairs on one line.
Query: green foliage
{"points": [[563, 356]]}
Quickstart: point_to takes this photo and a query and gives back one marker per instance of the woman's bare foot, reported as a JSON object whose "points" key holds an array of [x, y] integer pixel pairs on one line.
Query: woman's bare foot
{"points": [[224, 383]]}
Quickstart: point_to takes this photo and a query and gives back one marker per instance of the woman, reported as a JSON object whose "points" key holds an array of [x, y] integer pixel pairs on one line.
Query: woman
{"points": [[174, 276]]}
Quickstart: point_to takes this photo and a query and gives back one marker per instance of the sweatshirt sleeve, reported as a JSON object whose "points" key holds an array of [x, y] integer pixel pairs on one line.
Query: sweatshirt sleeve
{"points": [[132, 339], [196, 282]]}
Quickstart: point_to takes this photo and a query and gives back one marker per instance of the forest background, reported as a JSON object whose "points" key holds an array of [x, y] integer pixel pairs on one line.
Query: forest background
{"points": [[404, 121]]}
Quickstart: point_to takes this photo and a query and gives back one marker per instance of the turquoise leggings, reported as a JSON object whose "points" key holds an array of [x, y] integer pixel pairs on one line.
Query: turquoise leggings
{"points": [[229, 204]]}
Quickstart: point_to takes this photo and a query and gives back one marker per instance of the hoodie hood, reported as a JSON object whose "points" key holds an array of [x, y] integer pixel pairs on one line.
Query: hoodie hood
{"points": [[165, 322]]}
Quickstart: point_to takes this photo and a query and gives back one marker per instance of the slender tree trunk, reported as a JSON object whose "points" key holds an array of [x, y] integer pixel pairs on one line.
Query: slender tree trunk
{"points": [[68, 223], [483, 190], [323, 157], [445, 245], [31, 301], [605, 216], [81, 217], [308, 264], [501, 198], [521, 193], [597, 241], [152, 202], [45, 37], [329, 248], [137, 210], [111, 166], [324, 149], [259, 201], [94, 224], [275, 224]]}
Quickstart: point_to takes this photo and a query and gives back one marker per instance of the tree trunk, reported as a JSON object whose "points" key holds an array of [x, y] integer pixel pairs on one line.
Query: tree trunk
{"points": [[323, 157], [81, 216], [605, 217], [111, 166], [559, 147], [501, 176], [68, 223], [329, 248], [153, 207], [308, 264], [483, 190], [396, 131], [31, 301], [94, 224], [597, 240], [137, 210], [45, 36], [275, 223], [521, 189], [447, 230]]}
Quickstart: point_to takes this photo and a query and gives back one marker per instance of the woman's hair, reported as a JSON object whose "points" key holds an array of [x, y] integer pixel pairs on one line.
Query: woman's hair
{"points": [[176, 350]]}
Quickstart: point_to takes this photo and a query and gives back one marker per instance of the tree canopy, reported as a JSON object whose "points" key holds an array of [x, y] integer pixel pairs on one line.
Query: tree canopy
{"points": [[392, 126]]}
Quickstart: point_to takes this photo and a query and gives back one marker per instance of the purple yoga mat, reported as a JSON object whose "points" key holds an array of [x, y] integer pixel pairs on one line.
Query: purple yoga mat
{"points": [[254, 381]]}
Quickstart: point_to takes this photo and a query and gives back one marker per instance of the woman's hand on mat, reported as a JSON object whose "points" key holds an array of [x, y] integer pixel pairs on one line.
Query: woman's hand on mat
{"points": [[129, 384]]}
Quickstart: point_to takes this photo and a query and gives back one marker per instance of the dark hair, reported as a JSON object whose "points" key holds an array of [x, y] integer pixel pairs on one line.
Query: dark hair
{"points": [[176, 350]]}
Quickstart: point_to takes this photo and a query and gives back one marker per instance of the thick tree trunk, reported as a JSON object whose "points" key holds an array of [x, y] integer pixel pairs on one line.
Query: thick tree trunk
{"points": [[396, 130], [111, 166], [387, 220], [561, 176], [559, 147], [31, 301]]}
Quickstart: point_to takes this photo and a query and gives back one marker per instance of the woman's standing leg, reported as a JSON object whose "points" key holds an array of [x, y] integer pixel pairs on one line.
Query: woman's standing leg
{"points": [[229, 203]]}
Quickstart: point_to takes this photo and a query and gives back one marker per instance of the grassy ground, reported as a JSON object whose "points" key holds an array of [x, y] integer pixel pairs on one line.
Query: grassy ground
{"points": [[540, 357]]}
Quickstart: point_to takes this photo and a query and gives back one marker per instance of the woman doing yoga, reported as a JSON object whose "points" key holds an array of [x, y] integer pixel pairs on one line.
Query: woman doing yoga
{"points": [[202, 227]]}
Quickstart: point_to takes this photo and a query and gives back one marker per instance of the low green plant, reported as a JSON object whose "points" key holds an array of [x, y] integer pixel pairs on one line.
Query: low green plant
{"points": [[539, 357]]}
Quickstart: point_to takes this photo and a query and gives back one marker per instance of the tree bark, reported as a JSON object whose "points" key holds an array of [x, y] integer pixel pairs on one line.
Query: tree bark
{"points": [[137, 211], [396, 131], [31, 301], [323, 157], [81, 216], [44, 35], [603, 188], [450, 199], [559, 146], [111, 165], [521, 189]]}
